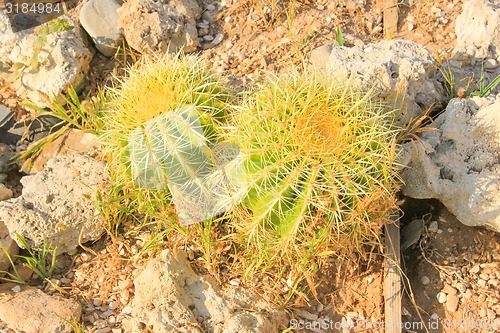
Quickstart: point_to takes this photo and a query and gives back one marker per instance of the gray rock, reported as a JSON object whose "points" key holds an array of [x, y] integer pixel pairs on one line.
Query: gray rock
{"points": [[6, 155], [398, 71], [161, 26], [100, 19], [57, 204], [459, 163], [31, 311], [478, 29], [169, 295], [411, 233], [5, 193], [63, 61]]}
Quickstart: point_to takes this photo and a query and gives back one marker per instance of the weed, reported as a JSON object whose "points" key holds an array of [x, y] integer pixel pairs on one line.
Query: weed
{"points": [[41, 261], [12, 277], [340, 38], [72, 113], [485, 90]]}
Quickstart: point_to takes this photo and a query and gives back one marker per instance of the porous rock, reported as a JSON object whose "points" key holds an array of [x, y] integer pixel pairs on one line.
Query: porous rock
{"points": [[458, 163], [100, 19], [160, 26], [58, 203], [10, 248], [170, 296], [400, 72], [63, 61], [478, 29], [32, 311]]}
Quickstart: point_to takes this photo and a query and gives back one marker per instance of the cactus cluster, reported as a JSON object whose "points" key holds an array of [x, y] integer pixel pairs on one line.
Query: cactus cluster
{"points": [[304, 167]]}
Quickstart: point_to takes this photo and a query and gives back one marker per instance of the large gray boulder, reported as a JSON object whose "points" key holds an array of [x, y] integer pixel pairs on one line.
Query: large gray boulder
{"points": [[58, 204], [459, 162], [170, 296], [402, 73], [63, 62], [160, 26]]}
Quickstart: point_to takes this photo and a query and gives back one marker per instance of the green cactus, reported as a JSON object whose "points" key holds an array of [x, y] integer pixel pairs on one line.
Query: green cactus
{"points": [[318, 158], [144, 100]]}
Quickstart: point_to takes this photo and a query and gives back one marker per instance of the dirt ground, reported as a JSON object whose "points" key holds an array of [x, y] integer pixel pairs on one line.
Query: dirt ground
{"points": [[271, 35]]}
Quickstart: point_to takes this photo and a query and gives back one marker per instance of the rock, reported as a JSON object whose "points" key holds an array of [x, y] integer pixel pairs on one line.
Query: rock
{"points": [[57, 204], [74, 140], [398, 71], [169, 295], [452, 302], [425, 280], [9, 245], [6, 155], [100, 19], [161, 26], [460, 163], [5, 193], [411, 233], [63, 62], [218, 39], [32, 311], [478, 29], [441, 297]]}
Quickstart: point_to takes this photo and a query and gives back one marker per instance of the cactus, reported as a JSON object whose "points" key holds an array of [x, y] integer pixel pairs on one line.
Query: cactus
{"points": [[318, 158], [144, 99]]}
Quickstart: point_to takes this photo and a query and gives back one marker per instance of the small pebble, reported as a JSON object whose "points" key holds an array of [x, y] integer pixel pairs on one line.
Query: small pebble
{"points": [[16, 289], [490, 64], [228, 19], [210, 8], [208, 38], [441, 297], [218, 38], [125, 284], [320, 7], [481, 282], [475, 269], [425, 280], [97, 302], [103, 330], [127, 310]]}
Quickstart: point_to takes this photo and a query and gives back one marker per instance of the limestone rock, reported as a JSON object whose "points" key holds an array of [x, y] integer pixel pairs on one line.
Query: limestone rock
{"points": [[100, 19], [5, 193], [58, 203], [398, 71], [32, 311], [63, 61], [9, 245], [170, 296], [160, 26], [459, 163], [478, 29]]}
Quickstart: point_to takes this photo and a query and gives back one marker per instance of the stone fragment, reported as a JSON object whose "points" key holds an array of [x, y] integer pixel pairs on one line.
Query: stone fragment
{"points": [[32, 311], [63, 62], [100, 19], [57, 205], [161, 26], [459, 162]]}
